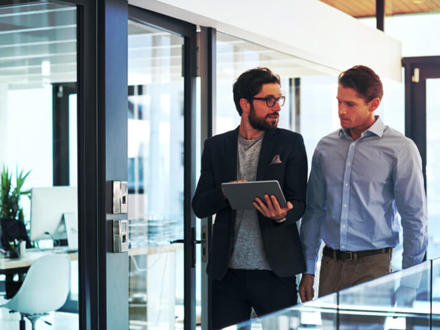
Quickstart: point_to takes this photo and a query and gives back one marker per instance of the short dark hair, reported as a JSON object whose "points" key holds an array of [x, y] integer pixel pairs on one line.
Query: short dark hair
{"points": [[250, 82], [363, 80]]}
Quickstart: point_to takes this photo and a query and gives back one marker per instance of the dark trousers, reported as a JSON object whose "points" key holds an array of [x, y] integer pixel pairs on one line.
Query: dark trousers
{"points": [[239, 291]]}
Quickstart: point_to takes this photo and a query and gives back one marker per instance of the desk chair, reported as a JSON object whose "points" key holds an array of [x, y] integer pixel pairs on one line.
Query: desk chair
{"points": [[44, 289]]}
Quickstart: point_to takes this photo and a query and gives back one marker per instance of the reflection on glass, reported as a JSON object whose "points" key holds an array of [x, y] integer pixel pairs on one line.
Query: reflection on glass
{"points": [[400, 300], [382, 301], [432, 165], [155, 177], [435, 307], [39, 133]]}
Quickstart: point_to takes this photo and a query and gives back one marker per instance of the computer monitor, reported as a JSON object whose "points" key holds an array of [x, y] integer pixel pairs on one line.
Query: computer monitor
{"points": [[50, 207]]}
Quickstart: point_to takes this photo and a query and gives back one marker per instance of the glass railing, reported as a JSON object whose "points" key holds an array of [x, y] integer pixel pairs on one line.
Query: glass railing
{"points": [[408, 299]]}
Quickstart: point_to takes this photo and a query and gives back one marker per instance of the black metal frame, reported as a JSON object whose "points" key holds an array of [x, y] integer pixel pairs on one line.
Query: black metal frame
{"points": [[60, 129], [101, 107], [91, 174], [188, 32], [208, 77], [296, 97], [380, 15], [415, 99]]}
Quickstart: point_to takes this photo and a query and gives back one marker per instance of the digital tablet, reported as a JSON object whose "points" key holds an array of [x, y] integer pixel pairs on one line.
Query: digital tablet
{"points": [[241, 195]]}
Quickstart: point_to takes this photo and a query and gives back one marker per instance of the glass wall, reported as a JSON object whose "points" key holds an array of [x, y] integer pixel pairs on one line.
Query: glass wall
{"points": [[401, 300], [417, 32], [38, 52], [424, 40], [155, 176], [432, 164], [319, 110], [234, 56]]}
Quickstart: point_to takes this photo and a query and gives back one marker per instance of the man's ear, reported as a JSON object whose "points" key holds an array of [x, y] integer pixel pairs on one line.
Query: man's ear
{"points": [[245, 105], [374, 104]]}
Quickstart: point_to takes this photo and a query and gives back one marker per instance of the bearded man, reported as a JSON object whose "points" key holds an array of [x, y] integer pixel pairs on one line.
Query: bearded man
{"points": [[255, 254]]}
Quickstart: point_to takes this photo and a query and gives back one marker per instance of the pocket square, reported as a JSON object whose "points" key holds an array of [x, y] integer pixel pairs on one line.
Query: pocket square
{"points": [[276, 160]]}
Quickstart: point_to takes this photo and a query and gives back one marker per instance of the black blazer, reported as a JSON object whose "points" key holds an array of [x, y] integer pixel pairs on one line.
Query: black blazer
{"points": [[280, 240]]}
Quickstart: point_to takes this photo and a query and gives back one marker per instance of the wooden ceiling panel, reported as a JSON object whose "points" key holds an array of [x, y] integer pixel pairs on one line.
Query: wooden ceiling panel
{"points": [[367, 8]]}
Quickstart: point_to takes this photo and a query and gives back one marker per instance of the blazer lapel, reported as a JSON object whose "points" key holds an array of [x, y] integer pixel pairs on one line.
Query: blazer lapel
{"points": [[266, 152], [230, 156]]}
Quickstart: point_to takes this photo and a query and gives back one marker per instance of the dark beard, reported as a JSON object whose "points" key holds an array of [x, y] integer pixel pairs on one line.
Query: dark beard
{"points": [[260, 124]]}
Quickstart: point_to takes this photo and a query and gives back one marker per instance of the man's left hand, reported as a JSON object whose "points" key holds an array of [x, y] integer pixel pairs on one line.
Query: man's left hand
{"points": [[270, 208]]}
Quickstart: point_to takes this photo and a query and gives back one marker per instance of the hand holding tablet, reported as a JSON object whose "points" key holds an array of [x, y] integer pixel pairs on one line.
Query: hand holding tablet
{"points": [[241, 195]]}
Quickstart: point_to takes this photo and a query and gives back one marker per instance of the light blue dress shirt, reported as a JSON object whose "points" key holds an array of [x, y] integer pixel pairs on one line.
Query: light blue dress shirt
{"points": [[356, 188]]}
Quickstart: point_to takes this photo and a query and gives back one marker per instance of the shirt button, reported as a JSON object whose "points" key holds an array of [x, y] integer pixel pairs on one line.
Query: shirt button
{"points": [[346, 184], [343, 226], [348, 163], [345, 205]]}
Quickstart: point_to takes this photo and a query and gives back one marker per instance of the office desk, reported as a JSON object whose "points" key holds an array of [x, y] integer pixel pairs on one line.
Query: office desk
{"points": [[12, 266]]}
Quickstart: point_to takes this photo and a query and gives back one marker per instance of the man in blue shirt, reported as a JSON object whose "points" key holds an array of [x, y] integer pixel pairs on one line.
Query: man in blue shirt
{"points": [[361, 176]]}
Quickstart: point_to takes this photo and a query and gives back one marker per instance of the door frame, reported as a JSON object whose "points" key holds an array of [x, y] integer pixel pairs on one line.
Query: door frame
{"points": [[417, 70], [189, 66]]}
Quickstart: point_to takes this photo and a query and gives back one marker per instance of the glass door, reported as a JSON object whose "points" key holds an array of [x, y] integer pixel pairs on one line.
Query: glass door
{"points": [[38, 143], [161, 277], [433, 164], [422, 122]]}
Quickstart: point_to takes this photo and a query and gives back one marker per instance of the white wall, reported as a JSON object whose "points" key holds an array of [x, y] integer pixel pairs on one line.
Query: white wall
{"points": [[308, 29]]}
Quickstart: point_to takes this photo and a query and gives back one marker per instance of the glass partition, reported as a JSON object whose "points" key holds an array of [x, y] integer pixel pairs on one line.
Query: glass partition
{"points": [[38, 122], [155, 177], [234, 56], [407, 299], [432, 165], [435, 294], [420, 41], [401, 297]]}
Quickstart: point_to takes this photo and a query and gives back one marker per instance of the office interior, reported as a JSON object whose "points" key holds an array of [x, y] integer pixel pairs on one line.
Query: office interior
{"points": [[105, 106]]}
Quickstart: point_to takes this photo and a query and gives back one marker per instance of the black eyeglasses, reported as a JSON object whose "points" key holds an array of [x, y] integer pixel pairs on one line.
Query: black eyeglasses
{"points": [[271, 101]]}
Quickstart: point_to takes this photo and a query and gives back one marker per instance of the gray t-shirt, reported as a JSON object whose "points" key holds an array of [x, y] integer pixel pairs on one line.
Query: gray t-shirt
{"points": [[248, 250]]}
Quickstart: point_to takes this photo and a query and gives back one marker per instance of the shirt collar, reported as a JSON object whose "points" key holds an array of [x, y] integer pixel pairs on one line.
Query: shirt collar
{"points": [[377, 129]]}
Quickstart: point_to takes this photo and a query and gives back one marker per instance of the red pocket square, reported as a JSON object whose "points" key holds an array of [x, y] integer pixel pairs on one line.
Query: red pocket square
{"points": [[276, 160]]}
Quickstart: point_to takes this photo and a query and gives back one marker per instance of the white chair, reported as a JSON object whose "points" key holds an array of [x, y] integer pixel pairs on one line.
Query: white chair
{"points": [[44, 289]]}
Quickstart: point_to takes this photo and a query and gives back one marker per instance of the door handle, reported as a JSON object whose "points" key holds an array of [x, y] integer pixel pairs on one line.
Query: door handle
{"points": [[194, 241], [197, 241]]}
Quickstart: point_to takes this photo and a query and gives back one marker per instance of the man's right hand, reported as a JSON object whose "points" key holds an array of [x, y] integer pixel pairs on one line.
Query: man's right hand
{"points": [[241, 180], [306, 291]]}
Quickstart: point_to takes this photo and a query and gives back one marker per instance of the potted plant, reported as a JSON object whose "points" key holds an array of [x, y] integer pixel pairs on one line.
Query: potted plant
{"points": [[13, 230]]}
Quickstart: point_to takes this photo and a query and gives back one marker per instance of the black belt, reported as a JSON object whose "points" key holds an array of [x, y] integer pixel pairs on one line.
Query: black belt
{"points": [[352, 255]]}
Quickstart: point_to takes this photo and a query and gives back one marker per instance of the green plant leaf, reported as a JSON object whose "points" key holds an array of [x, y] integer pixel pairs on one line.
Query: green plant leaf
{"points": [[10, 198]]}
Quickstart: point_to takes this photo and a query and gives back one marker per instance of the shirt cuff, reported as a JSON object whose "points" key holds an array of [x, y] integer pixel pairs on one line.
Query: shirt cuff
{"points": [[310, 266]]}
